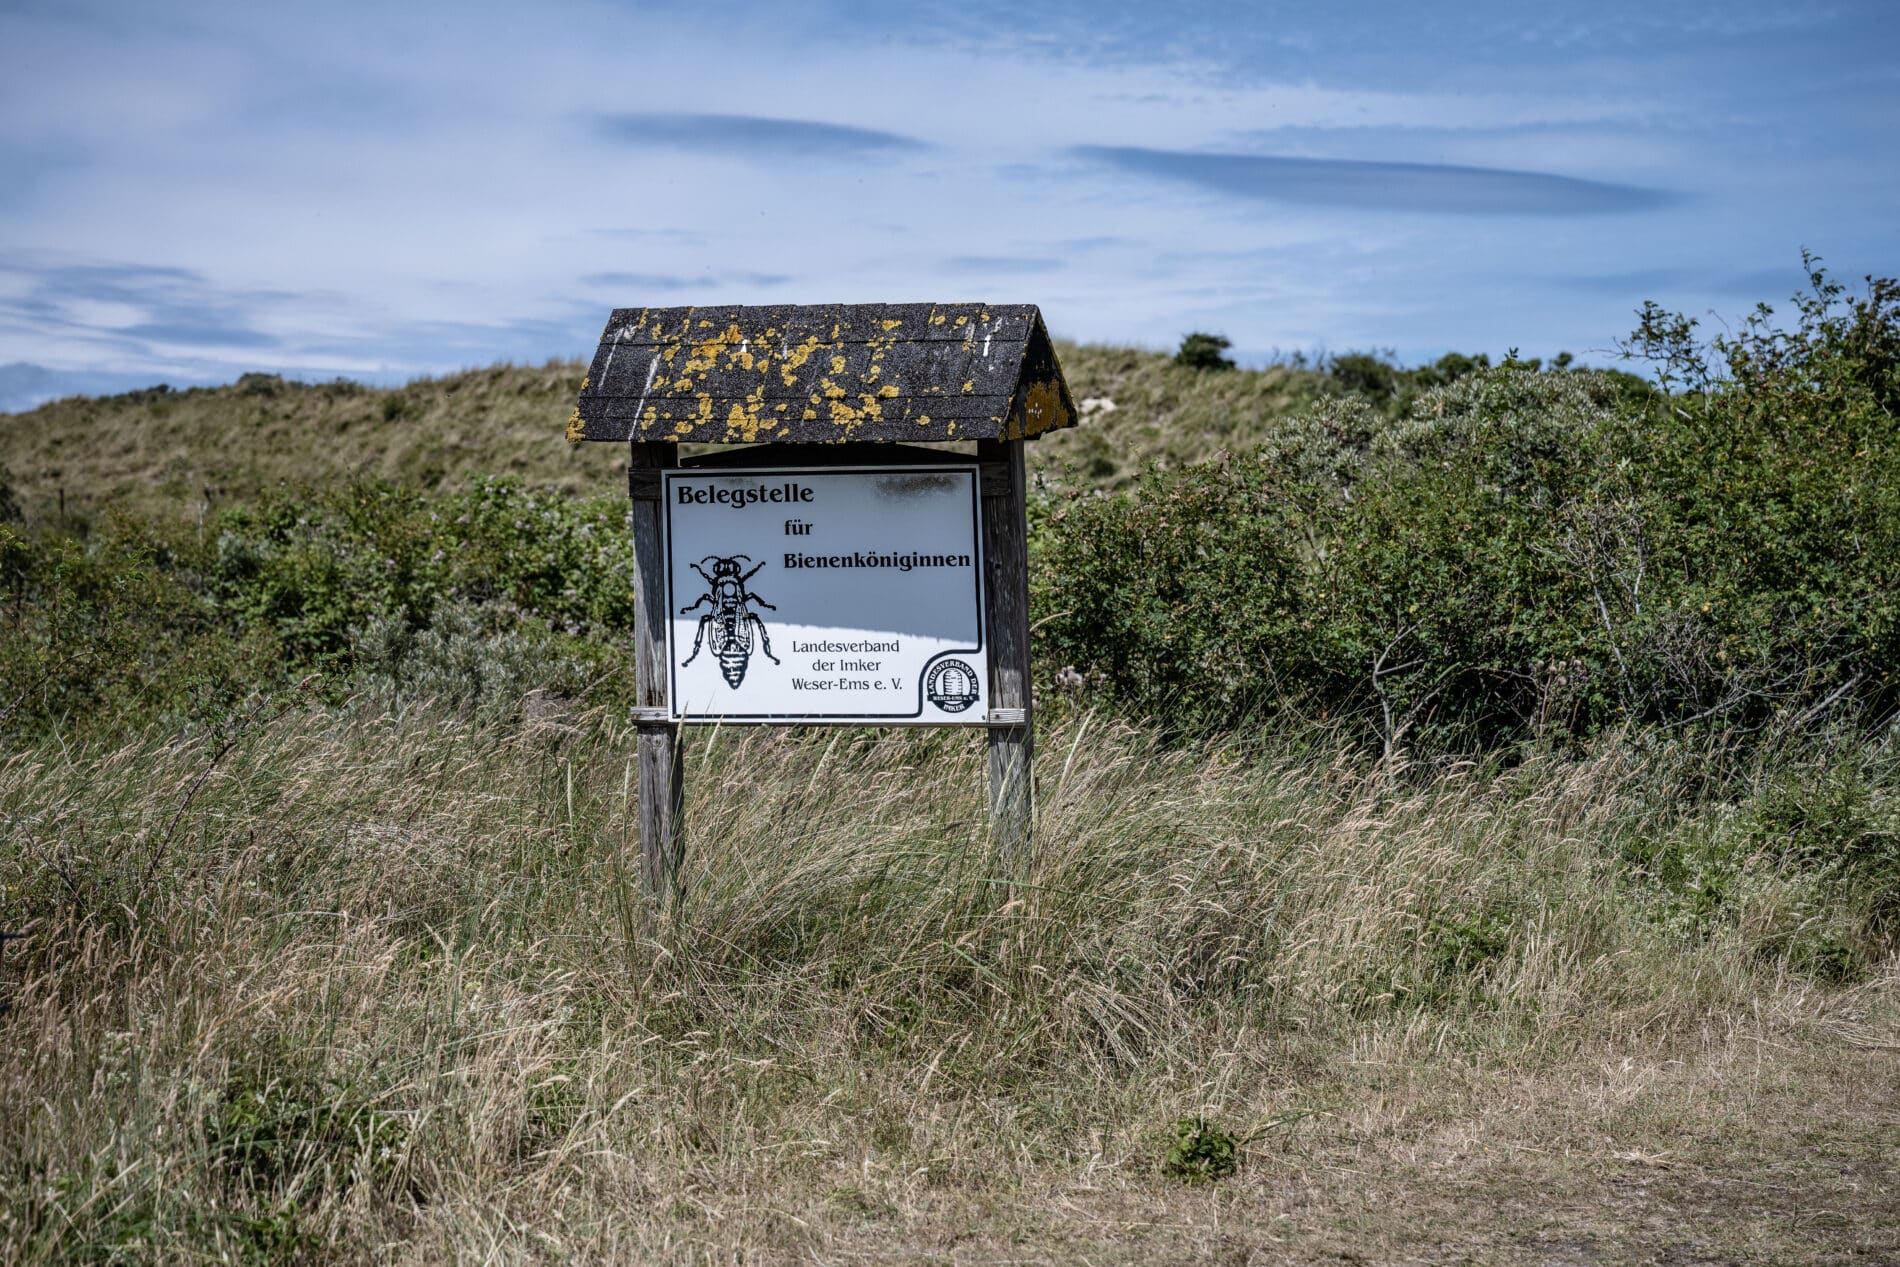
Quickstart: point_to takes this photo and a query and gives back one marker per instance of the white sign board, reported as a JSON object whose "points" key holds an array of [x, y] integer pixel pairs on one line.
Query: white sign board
{"points": [[825, 594]]}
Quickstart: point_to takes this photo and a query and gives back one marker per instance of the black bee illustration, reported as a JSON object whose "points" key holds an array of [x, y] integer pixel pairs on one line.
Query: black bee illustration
{"points": [[731, 618]]}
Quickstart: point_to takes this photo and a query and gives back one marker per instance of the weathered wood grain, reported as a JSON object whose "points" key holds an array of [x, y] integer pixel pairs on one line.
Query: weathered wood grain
{"points": [[661, 786], [1006, 620]]}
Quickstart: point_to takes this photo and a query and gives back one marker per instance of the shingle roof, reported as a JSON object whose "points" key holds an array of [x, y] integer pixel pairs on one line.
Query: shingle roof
{"points": [[823, 373]]}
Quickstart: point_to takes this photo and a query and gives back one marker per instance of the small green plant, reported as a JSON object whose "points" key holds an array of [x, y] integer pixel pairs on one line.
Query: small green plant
{"points": [[1825, 958], [1204, 352], [1828, 822], [1462, 947], [282, 1135], [1201, 1151]]}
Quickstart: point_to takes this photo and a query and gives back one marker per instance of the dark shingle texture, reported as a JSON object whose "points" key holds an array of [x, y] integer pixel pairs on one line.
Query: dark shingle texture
{"points": [[823, 373]]}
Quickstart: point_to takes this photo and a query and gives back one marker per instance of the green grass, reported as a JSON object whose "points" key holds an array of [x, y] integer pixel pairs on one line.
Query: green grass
{"points": [[374, 984]]}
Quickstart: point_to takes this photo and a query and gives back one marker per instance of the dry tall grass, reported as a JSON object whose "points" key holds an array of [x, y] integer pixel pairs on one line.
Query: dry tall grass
{"points": [[382, 987], [187, 453]]}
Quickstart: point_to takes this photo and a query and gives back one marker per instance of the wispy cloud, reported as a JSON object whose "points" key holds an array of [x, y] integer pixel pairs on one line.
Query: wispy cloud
{"points": [[681, 281], [751, 136], [1377, 186], [135, 306], [202, 334]]}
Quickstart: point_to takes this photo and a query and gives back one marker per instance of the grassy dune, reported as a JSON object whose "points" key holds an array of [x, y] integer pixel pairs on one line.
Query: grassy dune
{"points": [[360, 985], [186, 452]]}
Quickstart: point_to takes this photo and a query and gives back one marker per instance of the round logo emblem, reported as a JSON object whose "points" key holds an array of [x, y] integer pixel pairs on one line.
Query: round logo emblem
{"points": [[951, 685]]}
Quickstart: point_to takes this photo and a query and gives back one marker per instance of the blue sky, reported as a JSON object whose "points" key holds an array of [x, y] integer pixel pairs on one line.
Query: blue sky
{"points": [[192, 191]]}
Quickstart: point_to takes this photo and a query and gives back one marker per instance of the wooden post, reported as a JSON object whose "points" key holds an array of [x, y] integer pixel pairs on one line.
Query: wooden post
{"points": [[1006, 621], [661, 790]]}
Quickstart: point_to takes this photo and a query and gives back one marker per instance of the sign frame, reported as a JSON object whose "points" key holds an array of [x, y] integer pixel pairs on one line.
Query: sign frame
{"points": [[678, 588]]}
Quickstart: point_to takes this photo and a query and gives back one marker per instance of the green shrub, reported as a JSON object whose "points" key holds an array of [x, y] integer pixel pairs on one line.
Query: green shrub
{"points": [[1201, 1151], [472, 598], [1775, 478], [1204, 352], [9, 502], [1180, 600], [1524, 554], [1439, 587], [1826, 819], [1406, 573], [1395, 390], [473, 659], [117, 632], [1365, 375]]}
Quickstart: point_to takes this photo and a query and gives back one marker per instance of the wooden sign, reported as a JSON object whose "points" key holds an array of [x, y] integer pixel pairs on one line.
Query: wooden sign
{"points": [[824, 594], [830, 572]]}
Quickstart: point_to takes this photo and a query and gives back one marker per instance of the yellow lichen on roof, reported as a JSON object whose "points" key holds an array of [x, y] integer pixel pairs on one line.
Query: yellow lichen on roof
{"points": [[744, 419], [1042, 411], [724, 377], [705, 353], [576, 429], [795, 358]]}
